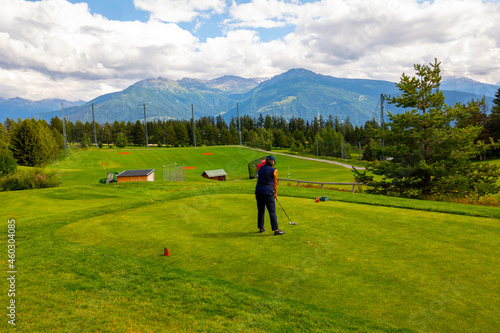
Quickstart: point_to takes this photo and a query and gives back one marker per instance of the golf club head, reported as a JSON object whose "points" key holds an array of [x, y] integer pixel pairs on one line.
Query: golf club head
{"points": [[292, 223]]}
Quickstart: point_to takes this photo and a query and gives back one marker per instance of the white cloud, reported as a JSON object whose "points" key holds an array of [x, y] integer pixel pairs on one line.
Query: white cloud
{"points": [[354, 37], [35, 85], [241, 52], [53, 48], [179, 10], [59, 41], [263, 14]]}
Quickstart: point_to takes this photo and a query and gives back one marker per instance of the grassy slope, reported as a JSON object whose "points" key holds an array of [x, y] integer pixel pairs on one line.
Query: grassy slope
{"points": [[90, 256], [95, 163]]}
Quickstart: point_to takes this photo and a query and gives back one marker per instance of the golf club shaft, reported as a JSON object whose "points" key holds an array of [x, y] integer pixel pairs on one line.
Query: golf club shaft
{"points": [[283, 210]]}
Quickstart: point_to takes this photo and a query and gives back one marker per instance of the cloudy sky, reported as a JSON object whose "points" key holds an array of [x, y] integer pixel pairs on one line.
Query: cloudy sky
{"points": [[78, 50]]}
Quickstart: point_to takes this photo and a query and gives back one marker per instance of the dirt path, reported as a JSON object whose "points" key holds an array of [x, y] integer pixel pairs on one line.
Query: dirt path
{"points": [[348, 166]]}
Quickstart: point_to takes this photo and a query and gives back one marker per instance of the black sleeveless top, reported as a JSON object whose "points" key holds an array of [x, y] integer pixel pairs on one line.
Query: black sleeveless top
{"points": [[265, 181]]}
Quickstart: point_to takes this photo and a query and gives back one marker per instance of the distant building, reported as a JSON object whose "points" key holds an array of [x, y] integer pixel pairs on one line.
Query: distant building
{"points": [[147, 175], [218, 174]]}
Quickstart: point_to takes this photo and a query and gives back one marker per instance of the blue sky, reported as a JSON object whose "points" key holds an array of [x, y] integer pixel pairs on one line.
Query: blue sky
{"points": [[116, 10], [211, 26], [78, 50]]}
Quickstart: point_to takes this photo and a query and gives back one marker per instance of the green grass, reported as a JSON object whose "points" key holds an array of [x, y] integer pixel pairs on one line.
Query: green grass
{"points": [[402, 260], [90, 165], [90, 256], [493, 161]]}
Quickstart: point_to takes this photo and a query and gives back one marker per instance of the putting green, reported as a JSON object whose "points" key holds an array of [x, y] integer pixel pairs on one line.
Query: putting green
{"points": [[343, 256]]}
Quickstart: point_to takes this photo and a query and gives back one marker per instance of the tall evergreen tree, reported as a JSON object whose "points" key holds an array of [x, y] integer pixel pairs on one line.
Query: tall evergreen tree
{"points": [[138, 134], [429, 155], [4, 141], [181, 133], [493, 124], [49, 146], [260, 121], [9, 127], [8, 163], [107, 134], [157, 137], [26, 144], [170, 136], [56, 123]]}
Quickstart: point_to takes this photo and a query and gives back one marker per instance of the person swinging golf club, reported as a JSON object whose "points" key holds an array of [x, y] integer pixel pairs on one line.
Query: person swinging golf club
{"points": [[266, 191]]}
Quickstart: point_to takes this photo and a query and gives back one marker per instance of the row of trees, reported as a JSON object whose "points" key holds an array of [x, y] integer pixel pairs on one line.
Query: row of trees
{"points": [[318, 136], [210, 130], [30, 143]]}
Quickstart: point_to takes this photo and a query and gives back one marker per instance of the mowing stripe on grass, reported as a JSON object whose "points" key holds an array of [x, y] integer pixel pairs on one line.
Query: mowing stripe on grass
{"points": [[384, 262]]}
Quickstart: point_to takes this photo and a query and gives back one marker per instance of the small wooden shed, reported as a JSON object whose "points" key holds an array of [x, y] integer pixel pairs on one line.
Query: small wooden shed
{"points": [[218, 174], [147, 175]]}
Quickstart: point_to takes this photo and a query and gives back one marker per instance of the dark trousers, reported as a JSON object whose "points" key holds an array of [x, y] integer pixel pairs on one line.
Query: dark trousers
{"points": [[263, 201]]}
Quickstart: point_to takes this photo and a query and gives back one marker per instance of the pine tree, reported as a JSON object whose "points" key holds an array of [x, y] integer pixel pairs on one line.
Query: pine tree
{"points": [[181, 133], [56, 123], [4, 140], [26, 145], [107, 135], [157, 137], [138, 134], [49, 146], [170, 136], [428, 154], [493, 124], [8, 163]]}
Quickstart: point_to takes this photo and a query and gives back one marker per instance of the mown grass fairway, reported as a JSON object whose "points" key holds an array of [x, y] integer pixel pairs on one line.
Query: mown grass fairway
{"points": [[90, 257], [88, 166]]}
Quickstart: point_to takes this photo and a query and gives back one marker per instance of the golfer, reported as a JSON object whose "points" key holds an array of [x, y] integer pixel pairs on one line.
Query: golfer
{"points": [[266, 191]]}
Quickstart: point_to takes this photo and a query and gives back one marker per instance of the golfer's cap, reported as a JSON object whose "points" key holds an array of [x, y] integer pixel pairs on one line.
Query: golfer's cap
{"points": [[271, 157]]}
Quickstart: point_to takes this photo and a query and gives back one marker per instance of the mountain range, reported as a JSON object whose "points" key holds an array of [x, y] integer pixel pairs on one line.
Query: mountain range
{"points": [[295, 93], [24, 108]]}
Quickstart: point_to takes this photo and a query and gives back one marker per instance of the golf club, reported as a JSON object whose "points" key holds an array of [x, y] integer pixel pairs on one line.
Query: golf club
{"points": [[285, 212]]}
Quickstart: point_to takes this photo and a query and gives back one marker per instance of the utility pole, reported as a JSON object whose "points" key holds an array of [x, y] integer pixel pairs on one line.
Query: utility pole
{"points": [[93, 121], [382, 110], [146, 126], [342, 149], [382, 123], [359, 143], [64, 132], [194, 128], [239, 122]]}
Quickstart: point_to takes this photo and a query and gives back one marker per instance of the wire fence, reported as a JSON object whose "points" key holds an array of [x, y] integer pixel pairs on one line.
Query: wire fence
{"points": [[174, 173]]}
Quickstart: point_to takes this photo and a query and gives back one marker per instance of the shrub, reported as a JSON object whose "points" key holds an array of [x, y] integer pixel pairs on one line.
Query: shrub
{"points": [[29, 180], [370, 151], [86, 142], [121, 141], [8, 164], [492, 200]]}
